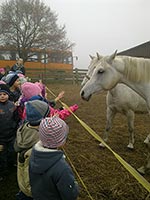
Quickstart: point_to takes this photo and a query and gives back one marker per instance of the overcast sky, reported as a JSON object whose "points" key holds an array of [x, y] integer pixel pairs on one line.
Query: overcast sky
{"points": [[102, 25]]}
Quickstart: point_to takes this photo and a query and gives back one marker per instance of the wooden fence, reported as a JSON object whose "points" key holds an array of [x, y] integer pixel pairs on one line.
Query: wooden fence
{"points": [[78, 75], [75, 76]]}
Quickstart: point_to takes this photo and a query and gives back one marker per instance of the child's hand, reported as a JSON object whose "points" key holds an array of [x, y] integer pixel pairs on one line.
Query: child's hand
{"points": [[60, 95], [17, 103]]}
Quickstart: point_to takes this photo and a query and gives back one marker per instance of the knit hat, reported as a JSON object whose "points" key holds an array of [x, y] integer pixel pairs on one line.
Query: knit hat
{"points": [[2, 70], [53, 132], [20, 74], [21, 78], [11, 78], [4, 88], [43, 88], [30, 89], [2, 82], [35, 111]]}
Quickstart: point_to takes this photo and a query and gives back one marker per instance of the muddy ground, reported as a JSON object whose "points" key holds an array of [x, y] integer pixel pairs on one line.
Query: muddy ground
{"points": [[104, 177]]}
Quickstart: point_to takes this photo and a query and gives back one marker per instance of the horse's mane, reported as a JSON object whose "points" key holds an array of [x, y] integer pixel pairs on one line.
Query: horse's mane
{"points": [[137, 69]]}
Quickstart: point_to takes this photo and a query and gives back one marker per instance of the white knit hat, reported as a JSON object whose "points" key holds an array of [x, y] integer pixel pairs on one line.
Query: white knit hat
{"points": [[53, 132]]}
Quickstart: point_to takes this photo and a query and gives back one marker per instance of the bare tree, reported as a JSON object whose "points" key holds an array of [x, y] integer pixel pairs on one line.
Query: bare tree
{"points": [[26, 24]]}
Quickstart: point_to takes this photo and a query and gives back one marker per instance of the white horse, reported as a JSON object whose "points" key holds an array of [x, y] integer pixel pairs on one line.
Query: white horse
{"points": [[120, 99], [131, 71]]}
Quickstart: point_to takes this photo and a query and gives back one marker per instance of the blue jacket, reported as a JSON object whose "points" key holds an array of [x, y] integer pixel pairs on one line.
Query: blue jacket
{"points": [[51, 178]]}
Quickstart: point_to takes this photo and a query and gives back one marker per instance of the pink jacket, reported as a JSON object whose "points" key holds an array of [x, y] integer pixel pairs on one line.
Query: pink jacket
{"points": [[63, 114]]}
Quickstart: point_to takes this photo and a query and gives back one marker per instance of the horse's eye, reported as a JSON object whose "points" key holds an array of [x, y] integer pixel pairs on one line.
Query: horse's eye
{"points": [[100, 71]]}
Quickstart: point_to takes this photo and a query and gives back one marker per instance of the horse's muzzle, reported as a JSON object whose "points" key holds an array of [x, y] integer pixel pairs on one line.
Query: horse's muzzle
{"points": [[85, 98]]}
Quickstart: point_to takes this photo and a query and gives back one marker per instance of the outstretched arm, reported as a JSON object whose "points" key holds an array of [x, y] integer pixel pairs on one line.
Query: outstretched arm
{"points": [[60, 95]]}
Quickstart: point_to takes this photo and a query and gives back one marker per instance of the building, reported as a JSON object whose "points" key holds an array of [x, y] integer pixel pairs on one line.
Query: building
{"points": [[142, 50]]}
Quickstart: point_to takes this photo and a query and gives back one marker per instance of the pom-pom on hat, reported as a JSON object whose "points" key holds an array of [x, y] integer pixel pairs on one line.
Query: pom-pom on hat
{"points": [[30, 89], [4, 88], [35, 111], [53, 132], [11, 78]]}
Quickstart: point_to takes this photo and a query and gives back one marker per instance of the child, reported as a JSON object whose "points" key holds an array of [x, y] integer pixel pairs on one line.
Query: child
{"points": [[27, 136], [31, 91], [62, 113], [12, 80], [44, 94], [22, 78], [50, 175], [9, 123]]}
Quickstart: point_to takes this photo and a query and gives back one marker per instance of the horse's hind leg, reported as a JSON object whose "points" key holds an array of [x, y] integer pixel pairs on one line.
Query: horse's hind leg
{"points": [[130, 120], [145, 169], [109, 117]]}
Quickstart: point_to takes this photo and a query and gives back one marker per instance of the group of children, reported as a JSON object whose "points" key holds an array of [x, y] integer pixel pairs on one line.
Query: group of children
{"points": [[31, 136]]}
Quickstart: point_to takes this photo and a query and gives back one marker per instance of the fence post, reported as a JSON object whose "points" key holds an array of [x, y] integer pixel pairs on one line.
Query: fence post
{"points": [[76, 76]]}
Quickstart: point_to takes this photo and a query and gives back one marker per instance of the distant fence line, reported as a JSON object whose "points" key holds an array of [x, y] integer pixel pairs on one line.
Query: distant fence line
{"points": [[47, 75]]}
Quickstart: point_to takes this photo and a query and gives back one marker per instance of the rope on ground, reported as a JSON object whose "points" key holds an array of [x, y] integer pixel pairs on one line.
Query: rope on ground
{"points": [[80, 179]]}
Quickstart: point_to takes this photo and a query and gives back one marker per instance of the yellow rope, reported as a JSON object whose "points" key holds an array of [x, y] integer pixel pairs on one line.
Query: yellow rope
{"points": [[80, 179]]}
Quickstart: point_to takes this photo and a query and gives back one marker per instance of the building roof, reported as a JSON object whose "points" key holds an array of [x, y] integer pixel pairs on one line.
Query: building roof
{"points": [[142, 50]]}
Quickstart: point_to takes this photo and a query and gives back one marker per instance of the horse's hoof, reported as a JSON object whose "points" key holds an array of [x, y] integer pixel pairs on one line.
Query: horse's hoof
{"points": [[130, 146], [146, 141], [141, 170], [101, 145]]}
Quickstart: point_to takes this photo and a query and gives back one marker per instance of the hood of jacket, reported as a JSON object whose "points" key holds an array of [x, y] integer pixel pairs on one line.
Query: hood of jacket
{"points": [[42, 159], [26, 137]]}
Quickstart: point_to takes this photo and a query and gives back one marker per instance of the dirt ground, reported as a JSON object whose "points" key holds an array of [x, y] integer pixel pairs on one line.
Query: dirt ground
{"points": [[104, 177]]}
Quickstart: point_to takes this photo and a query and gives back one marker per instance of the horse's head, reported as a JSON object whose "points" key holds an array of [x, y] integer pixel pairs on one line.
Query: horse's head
{"points": [[91, 67], [104, 77]]}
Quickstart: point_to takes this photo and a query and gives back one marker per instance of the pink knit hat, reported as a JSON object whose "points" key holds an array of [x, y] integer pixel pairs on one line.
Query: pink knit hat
{"points": [[2, 82], [20, 75], [30, 89], [2, 70], [43, 88], [53, 132]]}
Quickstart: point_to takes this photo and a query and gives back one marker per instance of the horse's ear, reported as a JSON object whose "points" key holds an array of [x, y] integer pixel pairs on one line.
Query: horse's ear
{"points": [[92, 57], [98, 56], [112, 57]]}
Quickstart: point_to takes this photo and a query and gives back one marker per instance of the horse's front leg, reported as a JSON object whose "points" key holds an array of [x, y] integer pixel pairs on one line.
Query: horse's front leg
{"points": [[110, 115], [130, 120]]}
